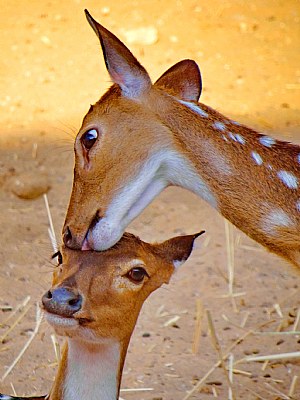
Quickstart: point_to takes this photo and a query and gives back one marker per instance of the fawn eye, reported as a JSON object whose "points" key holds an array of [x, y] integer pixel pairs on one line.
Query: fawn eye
{"points": [[59, 257], [137, 274], [89, 138]]}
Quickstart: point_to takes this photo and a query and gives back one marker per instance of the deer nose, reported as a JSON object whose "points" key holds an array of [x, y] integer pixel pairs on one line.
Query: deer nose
{"points": [[62, 301], [67, 237], [70, 240]]}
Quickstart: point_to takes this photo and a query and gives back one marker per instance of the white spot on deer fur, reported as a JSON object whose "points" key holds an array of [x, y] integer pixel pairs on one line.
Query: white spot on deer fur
{"points": [[235, 123], [219, 125], [289, 179], [298, 158], [256, 157], [240, 138], [231, 135], [225, 138], [267, 141], [194, 107], [270, 167], [178, 263], [298, 205], [216, 159], [277, 218]]}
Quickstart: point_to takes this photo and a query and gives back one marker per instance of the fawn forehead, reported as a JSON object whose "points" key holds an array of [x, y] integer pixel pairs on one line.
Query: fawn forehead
{"points": [[130, 251]]}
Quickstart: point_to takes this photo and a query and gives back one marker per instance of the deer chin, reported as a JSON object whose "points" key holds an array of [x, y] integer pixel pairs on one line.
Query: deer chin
{"points": [[62, 325], [108, 231], [102, 236]]}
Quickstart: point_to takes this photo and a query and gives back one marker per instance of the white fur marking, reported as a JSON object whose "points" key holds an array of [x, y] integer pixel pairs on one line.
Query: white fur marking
{"points": [[195, 108], [178, 263], [277, 218], [225, 138], [298, 205], [256, 157], [163, 168], [240, 138], [298, 158], [289, 179], [219, 125], [231, 135], [215, 158], [92, 374], [267, 141]]}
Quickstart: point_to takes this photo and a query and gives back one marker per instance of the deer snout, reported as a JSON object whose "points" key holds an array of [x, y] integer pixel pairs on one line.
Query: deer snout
{"points": [[71, 240], [78, 241], [62, 301]]}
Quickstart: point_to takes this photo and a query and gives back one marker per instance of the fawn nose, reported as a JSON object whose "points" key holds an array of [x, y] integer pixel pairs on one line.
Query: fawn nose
{"points": [[62, 301]]}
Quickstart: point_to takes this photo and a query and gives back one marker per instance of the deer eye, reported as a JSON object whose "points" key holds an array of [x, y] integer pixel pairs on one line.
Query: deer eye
{"points": [[137, 274], [89, 138]]}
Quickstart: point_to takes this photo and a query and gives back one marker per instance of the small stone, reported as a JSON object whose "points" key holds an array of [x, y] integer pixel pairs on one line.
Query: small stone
{"points": [[29, 186], [105, 11], [45, 40], [243, 27]]}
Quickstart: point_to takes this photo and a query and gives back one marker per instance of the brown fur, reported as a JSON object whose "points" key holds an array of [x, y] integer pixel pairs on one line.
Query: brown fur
{"points": [[107, 311], [133, 126]]}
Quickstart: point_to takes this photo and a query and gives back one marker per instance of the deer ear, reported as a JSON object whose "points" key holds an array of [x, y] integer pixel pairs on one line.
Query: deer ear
{"points": [[182, 80], [178, 249], [122, 66]]}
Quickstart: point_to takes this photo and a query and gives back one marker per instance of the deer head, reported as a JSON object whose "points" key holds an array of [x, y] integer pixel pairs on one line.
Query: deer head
{"points": [[123, 149], [94, 302]]}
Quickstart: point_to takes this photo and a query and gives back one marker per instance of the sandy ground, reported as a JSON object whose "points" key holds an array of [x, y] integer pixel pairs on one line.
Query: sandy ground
{"points": [[50, 71]]}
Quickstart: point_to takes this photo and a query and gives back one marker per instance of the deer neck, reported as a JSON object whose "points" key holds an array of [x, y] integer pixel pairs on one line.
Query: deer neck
{"points": [[252, 179], [90, 372]]}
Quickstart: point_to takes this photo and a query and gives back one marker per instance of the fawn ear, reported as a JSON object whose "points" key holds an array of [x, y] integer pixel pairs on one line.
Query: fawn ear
{"points": [[122, 66], [178, 249], [182, 80]]}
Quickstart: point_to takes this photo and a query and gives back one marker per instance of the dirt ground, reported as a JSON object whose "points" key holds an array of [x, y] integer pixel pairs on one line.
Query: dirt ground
{"points": [[51, 70]]}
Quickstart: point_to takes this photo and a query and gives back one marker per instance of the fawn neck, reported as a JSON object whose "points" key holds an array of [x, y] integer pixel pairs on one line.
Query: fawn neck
{"points": [[89, 371]]}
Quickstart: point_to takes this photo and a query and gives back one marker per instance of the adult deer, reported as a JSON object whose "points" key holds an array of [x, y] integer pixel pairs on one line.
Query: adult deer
{"points": [[142, 137], [94, 302]]}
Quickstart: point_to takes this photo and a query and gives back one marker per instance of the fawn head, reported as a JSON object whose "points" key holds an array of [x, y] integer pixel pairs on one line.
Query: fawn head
{"points": [[98, 295], [123, 149]]}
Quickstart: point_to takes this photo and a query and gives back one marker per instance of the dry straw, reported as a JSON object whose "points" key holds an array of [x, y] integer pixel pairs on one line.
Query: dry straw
{"points": [[39, 318]]}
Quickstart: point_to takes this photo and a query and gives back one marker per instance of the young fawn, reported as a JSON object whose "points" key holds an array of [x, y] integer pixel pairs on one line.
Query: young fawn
{"points": [[94, 302], [142, 137]]}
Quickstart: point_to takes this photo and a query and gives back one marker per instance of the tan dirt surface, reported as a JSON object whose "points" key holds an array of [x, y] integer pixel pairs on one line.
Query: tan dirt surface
{"points": [[51, 70]]}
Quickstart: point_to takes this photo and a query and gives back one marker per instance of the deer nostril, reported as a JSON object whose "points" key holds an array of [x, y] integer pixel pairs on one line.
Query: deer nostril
{"points": [[74, 302], [67, 237], [48, 295]]}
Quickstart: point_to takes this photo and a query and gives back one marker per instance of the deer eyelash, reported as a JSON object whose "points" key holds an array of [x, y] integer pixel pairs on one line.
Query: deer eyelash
{"points": [[59, 257]]}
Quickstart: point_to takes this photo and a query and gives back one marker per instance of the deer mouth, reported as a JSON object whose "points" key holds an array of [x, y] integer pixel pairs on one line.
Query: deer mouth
{"points": [[57, 321], [60, 322]]}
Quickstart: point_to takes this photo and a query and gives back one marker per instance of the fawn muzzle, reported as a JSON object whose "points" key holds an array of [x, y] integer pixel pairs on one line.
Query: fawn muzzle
{"points": [[62, 301]]}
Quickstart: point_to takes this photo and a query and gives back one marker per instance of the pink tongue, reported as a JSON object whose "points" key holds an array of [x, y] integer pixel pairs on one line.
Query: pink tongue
{"points": [[85, 245]]}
